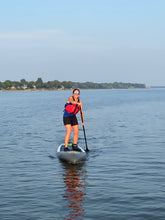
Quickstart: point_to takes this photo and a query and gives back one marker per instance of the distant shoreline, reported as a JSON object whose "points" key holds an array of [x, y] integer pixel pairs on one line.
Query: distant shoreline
{"points": [[28, 90], [35, 90], [56, 85]]}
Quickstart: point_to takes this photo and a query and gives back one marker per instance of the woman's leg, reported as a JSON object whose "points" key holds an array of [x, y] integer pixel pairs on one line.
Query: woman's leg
{"points": [[68, 133], [76, 132]]}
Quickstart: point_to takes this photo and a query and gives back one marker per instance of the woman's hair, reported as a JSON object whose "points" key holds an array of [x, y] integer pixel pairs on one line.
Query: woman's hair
{"points": [[75, 90]]}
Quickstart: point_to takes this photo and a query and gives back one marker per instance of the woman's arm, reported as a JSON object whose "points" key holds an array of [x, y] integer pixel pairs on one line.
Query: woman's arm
{"points": [[70, 100], [81, 114]]}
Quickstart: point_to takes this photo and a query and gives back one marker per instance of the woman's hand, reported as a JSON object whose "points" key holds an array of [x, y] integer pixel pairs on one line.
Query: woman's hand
{"points": [[80, 104]]}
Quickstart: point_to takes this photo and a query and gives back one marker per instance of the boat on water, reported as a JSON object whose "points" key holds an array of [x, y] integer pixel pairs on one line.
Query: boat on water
{"points": [[71, 156]]}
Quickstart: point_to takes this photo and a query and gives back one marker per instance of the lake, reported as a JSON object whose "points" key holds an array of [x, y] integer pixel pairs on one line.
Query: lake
{"points": [[123, 177]]}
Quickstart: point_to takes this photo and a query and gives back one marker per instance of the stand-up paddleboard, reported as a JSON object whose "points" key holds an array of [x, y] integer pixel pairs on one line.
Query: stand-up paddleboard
{"points": [[71, 156]]}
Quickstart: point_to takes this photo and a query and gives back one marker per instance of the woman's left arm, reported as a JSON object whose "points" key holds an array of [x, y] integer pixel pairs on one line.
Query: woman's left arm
{"points": [[81, 114]]}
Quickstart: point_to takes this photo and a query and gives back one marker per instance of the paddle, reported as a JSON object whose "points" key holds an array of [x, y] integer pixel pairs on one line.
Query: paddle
{"points": [[84, 132]]}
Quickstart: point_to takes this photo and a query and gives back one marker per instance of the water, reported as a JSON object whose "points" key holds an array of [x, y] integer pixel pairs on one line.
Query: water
{"points": [[123, 177]]}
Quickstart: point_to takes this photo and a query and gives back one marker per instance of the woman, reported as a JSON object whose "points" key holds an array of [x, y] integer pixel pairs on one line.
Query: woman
{"points": [[72, 107]]}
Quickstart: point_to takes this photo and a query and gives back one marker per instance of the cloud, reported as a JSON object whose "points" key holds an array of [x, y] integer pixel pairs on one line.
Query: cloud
{"points": [[49, 39], [40, 34]]}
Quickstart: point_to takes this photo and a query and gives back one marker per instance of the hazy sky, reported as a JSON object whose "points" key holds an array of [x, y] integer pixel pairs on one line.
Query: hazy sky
{"points": [[83, 40]]}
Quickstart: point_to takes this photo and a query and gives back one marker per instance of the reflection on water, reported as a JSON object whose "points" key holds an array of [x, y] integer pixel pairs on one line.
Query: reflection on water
{"points": [[74, 179]]}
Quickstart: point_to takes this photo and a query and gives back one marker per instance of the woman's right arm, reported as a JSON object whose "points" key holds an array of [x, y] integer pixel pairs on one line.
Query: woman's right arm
{"points": [[70, 100]]}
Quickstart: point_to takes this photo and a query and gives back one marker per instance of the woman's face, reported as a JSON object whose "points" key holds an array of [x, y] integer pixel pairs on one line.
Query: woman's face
{"points": [[76, 93]]}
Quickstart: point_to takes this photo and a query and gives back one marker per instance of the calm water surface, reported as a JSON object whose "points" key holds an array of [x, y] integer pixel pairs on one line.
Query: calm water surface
{"points": [[123, 177]]}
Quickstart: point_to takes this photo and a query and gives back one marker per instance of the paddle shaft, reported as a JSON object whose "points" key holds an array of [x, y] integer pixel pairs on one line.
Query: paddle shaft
{"points": [[84, 131]]}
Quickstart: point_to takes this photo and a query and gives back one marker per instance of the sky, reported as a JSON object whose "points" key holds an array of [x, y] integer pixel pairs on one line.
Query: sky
{"points": [[83, 40]]}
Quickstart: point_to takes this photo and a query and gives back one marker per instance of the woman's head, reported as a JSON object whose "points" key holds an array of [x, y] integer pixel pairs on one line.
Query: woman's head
{"points": [[76, 91]]}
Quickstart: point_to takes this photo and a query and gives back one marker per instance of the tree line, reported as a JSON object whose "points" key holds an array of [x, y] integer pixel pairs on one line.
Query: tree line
{"points": [[55, 84]]}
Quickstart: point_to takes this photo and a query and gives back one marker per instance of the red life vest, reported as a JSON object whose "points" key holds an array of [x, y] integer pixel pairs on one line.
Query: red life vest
{"points": [[72, 109]]}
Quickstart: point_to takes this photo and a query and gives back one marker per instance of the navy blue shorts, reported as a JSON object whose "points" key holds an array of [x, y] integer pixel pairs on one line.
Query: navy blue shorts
{"points": [[72, 120]]}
